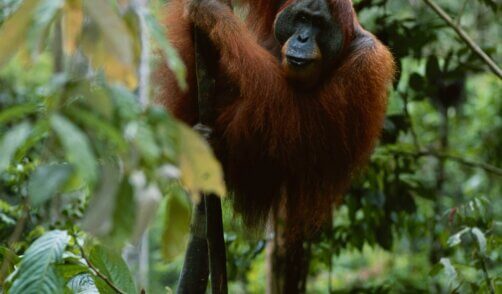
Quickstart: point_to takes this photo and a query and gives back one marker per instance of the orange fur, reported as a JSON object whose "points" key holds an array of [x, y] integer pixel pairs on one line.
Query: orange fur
{"points": [[280, 146]]}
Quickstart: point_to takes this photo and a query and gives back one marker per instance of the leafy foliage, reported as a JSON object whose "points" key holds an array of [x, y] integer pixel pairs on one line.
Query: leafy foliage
{"points": [[86, 160]]}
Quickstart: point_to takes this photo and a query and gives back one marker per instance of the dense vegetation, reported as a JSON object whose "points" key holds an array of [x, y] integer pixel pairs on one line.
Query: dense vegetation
{"points": [[96, 181]]}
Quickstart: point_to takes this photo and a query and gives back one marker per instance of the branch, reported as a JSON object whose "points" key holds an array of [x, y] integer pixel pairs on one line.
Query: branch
{"points": [[463, 35], [96, 270], [467, 162]]}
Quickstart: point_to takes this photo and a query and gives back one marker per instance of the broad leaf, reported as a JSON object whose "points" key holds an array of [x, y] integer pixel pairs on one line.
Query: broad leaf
{"points": [[44, 16], [83, 284], [46, 181], [13, 31], [114, 268], [176, 224], [480, 237], [98, 218], [16, 112], [36, 273], [200, 171], [174, 61], [108, 43], [456, 239], [77, 147], [12, 140], [72, 24], [124, 215]]}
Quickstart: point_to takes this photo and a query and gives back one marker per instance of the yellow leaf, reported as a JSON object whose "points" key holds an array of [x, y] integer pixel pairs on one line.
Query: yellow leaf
{"points": [[103, 57], [72, 24], [13, 32], [200, 170], [108, 43], [176, 223]]}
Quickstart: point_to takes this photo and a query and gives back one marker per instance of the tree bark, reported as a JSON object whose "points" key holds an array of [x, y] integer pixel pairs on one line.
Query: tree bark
{"points": [[287, 262]]}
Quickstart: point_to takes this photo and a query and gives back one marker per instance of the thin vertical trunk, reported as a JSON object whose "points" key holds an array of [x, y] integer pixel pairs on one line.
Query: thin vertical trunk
{"points": [[287, 262]]}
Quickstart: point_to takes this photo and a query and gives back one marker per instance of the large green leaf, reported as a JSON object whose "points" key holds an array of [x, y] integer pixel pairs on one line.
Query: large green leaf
{"points": [[124, 215], [36, 272], [77, 147], [98, 217], [108, 42], [176, 224], [13, 31], [114, 268], [174, 61], [200, 171], [82, 284], [12, 140], [46, 181], [39, 30], [100, 126], [16, 112]]}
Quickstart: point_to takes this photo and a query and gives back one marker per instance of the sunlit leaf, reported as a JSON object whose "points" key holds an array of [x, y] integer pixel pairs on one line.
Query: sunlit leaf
{"points": [[108, 43], [77, 147], [200, 170], [15, 30], [72, 24], [46, 181], [12, 140], [36, 272], [480, 237], [111, 265], [176, 224]]}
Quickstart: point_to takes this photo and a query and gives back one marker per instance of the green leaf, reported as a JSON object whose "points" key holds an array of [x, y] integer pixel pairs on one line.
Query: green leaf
{"points": [[39, 30], [15, 30], [176, 224], [101, 127], [111, 47], [480, 237], [83, 284], [12, 140], [98, 215], [124, 215], [36, 273], [450, 271], [114, 268], [16, 112], [144, 139], [125, 103], [8, 258], [174, 61], [200, 171], [456, 239], [70, 270], [46, 181], [77, 147]]}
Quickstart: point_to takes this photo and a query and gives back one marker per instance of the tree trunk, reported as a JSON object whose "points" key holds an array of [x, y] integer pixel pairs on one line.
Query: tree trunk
{"points": [[287, 262]]}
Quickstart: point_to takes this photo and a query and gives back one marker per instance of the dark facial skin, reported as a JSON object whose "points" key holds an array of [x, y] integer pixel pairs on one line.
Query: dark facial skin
{"points": [[311, 40]]}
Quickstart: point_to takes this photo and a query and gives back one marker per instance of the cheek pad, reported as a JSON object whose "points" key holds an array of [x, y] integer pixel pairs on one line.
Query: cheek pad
{"points": [[284, 25], [330, 41]]}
